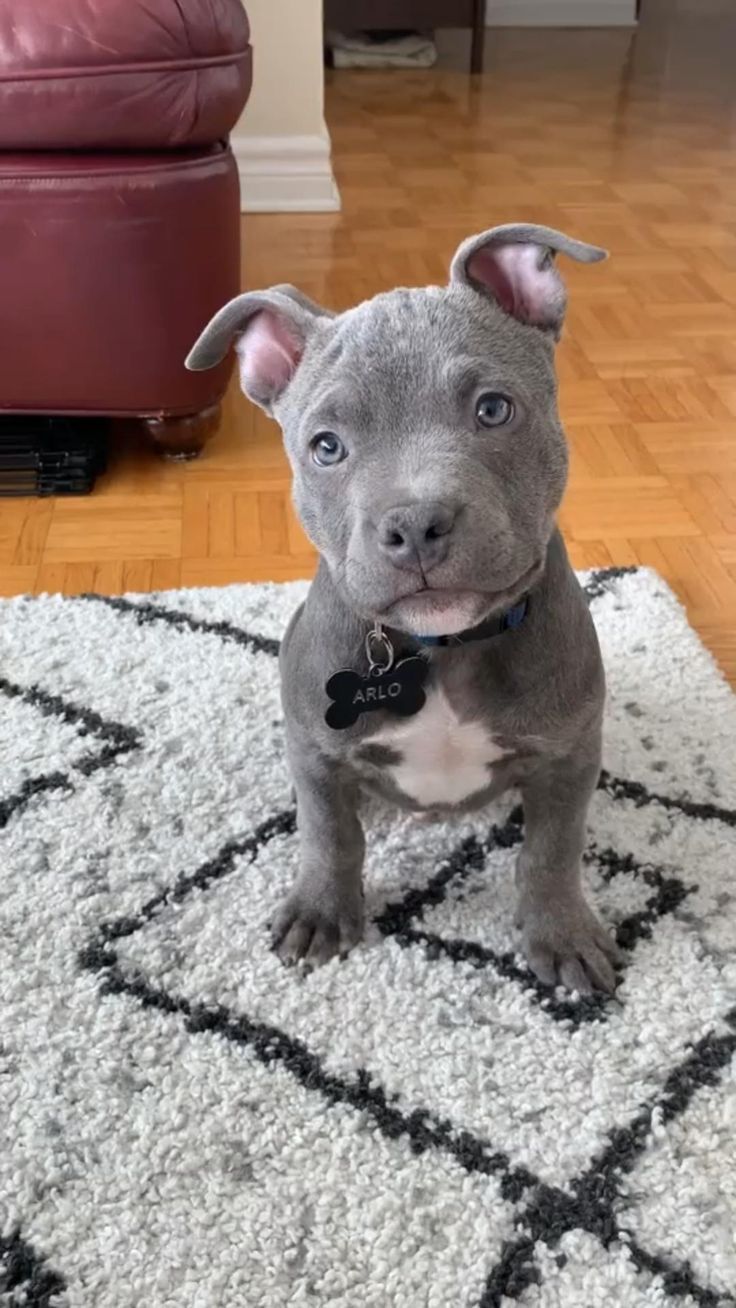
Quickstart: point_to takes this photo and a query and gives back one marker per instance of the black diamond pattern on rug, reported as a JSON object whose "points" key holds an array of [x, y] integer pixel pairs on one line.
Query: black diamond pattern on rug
{"points": [[112, 740], [591, 1200]]}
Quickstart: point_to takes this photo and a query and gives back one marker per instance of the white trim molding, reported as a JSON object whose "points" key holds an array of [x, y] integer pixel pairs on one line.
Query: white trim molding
{"points": [[561, 13], [285, 174]]}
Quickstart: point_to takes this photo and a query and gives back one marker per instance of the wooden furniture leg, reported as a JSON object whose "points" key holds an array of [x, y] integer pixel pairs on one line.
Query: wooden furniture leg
{"points": [[477, 40], [183, 437]]}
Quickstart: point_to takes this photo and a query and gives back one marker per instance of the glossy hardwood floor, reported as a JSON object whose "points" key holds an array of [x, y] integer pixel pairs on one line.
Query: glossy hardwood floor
{"points": [[627, 141]]}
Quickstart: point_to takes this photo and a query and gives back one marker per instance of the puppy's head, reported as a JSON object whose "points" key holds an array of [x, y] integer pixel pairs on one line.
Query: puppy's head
{"points": [[421, 426]]}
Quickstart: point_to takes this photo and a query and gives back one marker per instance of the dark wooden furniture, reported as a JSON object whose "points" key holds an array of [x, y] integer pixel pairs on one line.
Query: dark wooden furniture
{"points": [[411, 15]]}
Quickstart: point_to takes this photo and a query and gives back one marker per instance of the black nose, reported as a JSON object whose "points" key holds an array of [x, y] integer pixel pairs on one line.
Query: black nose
{"points": [[417, 536]]}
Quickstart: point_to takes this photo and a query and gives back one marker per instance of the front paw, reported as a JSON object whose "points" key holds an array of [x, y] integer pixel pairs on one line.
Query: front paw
{"points": [[565, 944], [313, 927]]}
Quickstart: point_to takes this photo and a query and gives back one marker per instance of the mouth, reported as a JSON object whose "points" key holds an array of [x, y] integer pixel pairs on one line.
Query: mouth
{"points": [[438, 611], [435, 597]]}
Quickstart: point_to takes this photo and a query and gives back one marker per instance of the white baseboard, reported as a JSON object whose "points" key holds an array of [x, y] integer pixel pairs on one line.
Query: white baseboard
{"points": [[561, 13], [291, 174]]}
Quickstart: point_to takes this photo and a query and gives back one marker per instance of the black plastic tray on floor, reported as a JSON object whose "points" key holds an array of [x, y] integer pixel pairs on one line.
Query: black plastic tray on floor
{"points": [[50, 456]]}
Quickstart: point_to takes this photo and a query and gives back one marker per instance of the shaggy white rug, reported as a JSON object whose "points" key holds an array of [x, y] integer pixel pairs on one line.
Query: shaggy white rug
{"points": [[185, 1122]]}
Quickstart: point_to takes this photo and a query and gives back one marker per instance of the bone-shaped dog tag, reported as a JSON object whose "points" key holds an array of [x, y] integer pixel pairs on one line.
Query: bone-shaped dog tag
{"points": [[398, 690]]}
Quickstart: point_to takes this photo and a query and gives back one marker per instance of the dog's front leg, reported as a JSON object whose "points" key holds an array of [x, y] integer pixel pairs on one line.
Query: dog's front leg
{"points": [[563, 940], [323, 914]]}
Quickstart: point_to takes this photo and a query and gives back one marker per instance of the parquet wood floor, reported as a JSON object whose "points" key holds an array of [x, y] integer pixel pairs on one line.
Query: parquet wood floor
{"points": [[625, 141]]}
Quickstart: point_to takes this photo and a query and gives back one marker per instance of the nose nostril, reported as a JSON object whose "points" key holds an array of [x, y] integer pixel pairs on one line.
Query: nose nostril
{"points": [[415, 534], [436, 530]]}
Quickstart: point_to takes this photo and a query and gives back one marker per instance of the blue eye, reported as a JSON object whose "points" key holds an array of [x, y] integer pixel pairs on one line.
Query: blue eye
{"points": [[492, 409], [327, 449]]}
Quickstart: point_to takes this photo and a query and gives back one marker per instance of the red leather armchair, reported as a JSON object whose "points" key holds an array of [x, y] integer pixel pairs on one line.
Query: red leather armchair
{"points": [[119, 206]]}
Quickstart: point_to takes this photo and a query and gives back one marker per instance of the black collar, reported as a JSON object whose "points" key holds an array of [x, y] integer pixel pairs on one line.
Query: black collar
{"points": [[494, 626]]}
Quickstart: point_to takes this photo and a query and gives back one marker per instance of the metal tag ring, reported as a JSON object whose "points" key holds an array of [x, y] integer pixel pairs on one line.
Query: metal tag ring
{"points": [[377, 636]]}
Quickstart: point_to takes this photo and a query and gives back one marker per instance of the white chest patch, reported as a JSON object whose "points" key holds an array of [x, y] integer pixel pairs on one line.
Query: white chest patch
{"points": [[443, 760]]}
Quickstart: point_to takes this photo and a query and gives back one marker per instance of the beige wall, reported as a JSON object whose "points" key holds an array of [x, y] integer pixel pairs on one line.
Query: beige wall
{"points": [[288, 77], [281, 142]]}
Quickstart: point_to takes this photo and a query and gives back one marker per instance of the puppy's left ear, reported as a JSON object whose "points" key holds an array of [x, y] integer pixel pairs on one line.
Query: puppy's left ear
{"points": [[515, 265]]}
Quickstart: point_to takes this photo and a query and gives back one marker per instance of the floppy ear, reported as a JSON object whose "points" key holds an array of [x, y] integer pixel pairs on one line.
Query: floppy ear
{"points": [[269, 331], [515, 266]]}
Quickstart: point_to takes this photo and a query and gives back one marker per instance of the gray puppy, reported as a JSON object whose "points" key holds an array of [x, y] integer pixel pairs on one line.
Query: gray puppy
{"points": [[429, 462]]}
